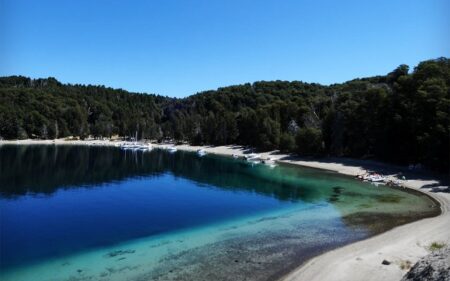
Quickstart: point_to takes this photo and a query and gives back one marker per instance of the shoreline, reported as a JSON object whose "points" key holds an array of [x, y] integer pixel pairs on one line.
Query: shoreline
{"points": [[402, 246]]}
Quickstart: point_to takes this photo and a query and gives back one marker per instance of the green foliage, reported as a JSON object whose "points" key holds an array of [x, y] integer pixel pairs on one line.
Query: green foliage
{"points": [[287, 143], [44, 108], [436, 246], [401, 117], [309, 141]]}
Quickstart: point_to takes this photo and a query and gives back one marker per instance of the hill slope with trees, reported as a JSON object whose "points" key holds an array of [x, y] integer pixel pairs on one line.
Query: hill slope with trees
{"points": [[402, 117]]}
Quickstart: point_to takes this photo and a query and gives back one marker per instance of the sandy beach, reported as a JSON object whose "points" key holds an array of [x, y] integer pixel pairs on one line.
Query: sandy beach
{"points": [[401, 246]]}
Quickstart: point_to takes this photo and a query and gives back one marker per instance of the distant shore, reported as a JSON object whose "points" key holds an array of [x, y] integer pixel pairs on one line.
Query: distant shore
{"points": [[401, 246]]}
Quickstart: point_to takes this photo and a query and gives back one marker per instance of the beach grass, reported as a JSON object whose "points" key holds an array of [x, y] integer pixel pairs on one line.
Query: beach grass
{"points": [[434, 246]]}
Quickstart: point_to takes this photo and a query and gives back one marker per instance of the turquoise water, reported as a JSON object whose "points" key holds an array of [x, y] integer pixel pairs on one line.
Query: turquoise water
{"points": [[99, 213]]}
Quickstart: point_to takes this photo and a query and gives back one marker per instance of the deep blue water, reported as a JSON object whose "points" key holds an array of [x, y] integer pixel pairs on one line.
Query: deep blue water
{"points": [[39, 226], [56, 217]]}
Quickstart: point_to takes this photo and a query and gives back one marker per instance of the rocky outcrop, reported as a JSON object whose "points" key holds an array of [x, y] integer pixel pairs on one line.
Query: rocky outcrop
{"points": [[435, 266]]}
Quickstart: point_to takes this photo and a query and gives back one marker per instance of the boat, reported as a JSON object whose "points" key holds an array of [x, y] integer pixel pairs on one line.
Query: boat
{"points": [[145, 147], [172, 149], [252, 157], [269, 161], [135, 146], [201, 152], [374, 178], [126, 146]]}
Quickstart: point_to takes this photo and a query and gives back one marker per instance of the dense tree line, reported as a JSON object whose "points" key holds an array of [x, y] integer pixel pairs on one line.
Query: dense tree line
{"points": [[402, 117]]}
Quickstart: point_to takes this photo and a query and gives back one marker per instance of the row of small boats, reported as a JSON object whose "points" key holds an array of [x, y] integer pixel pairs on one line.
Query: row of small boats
{"points": [[136, 146], [148, 147], [173, 149], [252, 158], [377, 179]]}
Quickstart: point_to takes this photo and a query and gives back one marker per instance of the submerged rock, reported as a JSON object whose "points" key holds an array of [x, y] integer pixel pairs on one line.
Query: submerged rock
{"points": [[338, 189], [385, 262], [435, 266], [119, 253]]}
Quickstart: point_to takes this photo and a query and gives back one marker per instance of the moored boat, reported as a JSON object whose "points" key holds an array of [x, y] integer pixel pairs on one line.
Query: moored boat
{"points": [[172, 149], [201, 152], [252, 157], [145, 147], [269, 161], [372, 177]]}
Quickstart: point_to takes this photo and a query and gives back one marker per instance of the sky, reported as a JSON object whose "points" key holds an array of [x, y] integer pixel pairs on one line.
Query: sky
{"points": [[178, 48]]}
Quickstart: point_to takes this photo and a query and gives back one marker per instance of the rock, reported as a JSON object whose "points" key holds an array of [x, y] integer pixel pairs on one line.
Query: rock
{"points": [[119, 253], [385, 262], [435, 266]]}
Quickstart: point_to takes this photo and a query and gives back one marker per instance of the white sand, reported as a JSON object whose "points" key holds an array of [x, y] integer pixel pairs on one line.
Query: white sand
{"points": [[361, 260]]}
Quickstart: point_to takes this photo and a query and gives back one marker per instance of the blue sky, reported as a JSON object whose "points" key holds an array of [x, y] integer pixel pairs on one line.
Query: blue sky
{"points": [[178, 48]]}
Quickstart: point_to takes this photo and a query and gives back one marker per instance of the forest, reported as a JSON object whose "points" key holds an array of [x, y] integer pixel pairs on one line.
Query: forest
{"points": [[402, 117]]}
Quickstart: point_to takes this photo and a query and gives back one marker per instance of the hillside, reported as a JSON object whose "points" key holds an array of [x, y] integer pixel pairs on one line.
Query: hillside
{"points": [[402, 117]]}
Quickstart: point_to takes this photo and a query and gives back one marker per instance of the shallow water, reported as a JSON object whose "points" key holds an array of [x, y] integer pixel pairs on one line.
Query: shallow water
{"points": [[100, 213]]}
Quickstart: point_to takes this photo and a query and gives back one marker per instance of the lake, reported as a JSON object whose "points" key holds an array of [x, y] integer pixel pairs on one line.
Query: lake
{"points": [[102, 213]]}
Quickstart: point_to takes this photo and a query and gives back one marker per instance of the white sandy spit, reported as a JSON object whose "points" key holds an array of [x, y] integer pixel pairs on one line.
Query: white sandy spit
{"points": [[401, 246]]}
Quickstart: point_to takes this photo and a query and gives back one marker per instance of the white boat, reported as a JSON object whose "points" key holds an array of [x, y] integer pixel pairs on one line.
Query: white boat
{"points": [[253, 157], [172, 149], [135, 146], [126, 146], [374, 178], [201, 152], [269, 161], [145, 147]]}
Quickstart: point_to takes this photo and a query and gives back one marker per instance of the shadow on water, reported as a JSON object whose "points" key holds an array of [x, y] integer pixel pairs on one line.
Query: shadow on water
{"points": [[49, 168], [379, 167]]}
